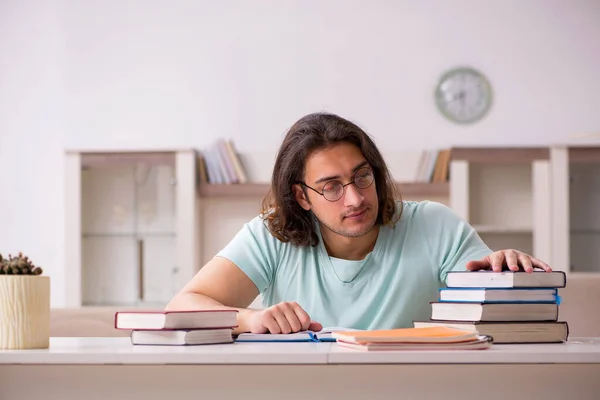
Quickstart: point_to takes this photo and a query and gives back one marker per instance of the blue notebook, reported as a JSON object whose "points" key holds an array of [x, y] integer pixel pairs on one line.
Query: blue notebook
{"points": [[324, 335]]}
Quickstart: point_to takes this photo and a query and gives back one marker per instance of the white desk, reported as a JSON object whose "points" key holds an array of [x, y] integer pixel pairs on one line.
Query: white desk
{"points": [[112, 368]]}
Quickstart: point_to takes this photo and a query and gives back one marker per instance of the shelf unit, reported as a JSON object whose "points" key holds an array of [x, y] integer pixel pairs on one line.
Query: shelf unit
{"points": [[576, 207], [132, 227], [139, 225], [504, 193]]}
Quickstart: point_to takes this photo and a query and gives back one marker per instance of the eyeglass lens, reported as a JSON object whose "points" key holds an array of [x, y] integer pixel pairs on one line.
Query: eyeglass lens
{"points": [[333, 190]]}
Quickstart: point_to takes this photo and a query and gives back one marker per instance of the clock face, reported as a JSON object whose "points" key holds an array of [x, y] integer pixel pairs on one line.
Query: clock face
{"points": [[463, 95]]}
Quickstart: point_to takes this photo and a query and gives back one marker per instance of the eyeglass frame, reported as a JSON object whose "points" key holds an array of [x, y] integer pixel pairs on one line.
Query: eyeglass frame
{"points": [[353, 181]]}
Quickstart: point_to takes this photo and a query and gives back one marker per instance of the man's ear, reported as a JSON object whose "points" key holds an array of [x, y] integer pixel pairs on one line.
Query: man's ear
{"points": [[301, 196]]}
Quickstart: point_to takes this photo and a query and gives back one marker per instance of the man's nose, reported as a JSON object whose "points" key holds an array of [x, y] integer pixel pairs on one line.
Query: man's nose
{"points": [[353, 196]]}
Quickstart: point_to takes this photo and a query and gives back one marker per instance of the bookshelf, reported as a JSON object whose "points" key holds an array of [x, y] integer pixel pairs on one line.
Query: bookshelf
{"points": [[504, 193], [132, 226], [141, 223], [576, 209]]}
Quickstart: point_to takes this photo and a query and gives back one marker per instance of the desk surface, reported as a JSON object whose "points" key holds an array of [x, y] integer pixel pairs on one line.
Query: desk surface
{"points": [[121, 351]]}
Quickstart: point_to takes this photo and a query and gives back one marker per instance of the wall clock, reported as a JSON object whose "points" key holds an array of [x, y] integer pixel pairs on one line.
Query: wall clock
{"points": [[463, 95]]}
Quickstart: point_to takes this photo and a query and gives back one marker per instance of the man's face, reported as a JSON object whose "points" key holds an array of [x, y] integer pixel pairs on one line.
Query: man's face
{"points": [[355, 213]]}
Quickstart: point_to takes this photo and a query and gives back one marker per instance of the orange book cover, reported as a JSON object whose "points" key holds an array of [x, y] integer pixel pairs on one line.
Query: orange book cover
{"points": [[407, 335]]}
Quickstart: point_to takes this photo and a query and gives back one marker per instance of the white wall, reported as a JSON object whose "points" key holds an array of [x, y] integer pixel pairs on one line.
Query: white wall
{"points": [[124, 74], [32, 133]]}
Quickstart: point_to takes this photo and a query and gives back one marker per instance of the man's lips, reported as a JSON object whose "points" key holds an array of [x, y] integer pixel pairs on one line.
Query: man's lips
{"points": [[356, 213]]}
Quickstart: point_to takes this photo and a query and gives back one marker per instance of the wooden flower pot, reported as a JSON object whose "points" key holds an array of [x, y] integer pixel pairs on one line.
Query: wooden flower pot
{"points": [[24, 311]]}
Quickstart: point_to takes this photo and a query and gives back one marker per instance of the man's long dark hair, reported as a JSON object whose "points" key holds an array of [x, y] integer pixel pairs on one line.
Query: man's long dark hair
{"points": [[285, 219]]}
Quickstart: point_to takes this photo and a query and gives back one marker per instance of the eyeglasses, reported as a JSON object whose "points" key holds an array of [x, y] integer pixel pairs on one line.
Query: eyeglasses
{"points": [[334, 190]]}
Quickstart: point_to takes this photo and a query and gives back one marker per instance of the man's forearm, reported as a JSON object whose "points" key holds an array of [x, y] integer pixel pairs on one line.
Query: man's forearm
{"points": [[196, 301]]}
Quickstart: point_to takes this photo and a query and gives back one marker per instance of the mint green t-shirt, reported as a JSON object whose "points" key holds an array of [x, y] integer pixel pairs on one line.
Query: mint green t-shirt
{"points": [[390, 288]]}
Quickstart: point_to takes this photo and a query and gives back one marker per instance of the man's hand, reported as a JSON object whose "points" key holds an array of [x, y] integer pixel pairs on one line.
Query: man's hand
{"points": [[513, 259], [285, 317]]}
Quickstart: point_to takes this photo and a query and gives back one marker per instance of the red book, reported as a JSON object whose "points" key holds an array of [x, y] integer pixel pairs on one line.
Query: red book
{"points": [[165, 320]]}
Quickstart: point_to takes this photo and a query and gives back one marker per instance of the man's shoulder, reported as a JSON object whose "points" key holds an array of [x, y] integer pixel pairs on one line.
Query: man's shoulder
{"points": [[424, 208], [258, 227]]}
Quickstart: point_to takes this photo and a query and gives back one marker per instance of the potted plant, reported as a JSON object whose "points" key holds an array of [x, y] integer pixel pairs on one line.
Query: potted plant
{"points": [[24, 304]]}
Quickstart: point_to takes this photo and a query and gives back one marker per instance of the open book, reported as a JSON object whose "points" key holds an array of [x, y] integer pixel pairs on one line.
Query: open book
{"points": [[324, 335]]}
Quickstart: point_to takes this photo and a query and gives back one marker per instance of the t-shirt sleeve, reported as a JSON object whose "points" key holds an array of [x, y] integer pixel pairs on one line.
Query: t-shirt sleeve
{"points": [[452, 242], [254, 250]]}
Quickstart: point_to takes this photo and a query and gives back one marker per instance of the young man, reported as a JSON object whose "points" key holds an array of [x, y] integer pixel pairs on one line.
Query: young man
{"points": [[333, 245]]}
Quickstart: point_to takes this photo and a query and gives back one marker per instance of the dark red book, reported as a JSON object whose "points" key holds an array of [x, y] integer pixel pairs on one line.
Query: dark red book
{"points": [[159, 320]]}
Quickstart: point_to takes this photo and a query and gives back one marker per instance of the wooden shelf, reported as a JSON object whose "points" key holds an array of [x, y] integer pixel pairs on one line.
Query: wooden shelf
{"points": [[584, 155], [233, 190], [114, 159], [503, 229], [500, 155], [260, 189], [440, 189]]}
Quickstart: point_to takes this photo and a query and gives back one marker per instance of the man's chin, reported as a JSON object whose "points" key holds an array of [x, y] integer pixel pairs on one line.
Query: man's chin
{"points": [[358, 232]]}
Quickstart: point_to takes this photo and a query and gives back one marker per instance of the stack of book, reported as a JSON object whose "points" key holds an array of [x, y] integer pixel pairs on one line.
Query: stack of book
{"points": [[511, 307], [430, 338], [178, 327]]}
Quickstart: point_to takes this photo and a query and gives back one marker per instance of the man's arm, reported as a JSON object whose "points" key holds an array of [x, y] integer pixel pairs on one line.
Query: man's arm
{"points": [[220, 284]]}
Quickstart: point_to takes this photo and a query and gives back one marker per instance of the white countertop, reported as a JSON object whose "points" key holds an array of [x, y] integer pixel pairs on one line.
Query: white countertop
{"points": [[576, 350], [121, 351]]}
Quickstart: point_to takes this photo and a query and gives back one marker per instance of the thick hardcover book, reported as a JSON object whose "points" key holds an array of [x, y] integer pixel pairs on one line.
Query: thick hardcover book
{"points": [[455, 311], [506, 279], [510, 331], [195, 319]]}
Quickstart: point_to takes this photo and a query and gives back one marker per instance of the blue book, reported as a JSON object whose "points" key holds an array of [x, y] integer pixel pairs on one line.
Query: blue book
{"points": [[324, 335], [499, 295]]}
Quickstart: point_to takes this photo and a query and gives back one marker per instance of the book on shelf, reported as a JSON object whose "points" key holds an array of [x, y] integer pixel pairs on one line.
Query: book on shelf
{"points": [[222, 164], [463, 311], [202, 169], [423, 171], [324, 335], [164, 320], [227, 163], [499, 295], [504, 332], [506, 279], [428, 338], [433, 166], [181, 337], [441, 171], [236, 161]]}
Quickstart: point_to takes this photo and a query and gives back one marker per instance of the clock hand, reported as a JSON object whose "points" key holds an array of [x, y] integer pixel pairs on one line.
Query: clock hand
{"points": [[461, 98]]}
